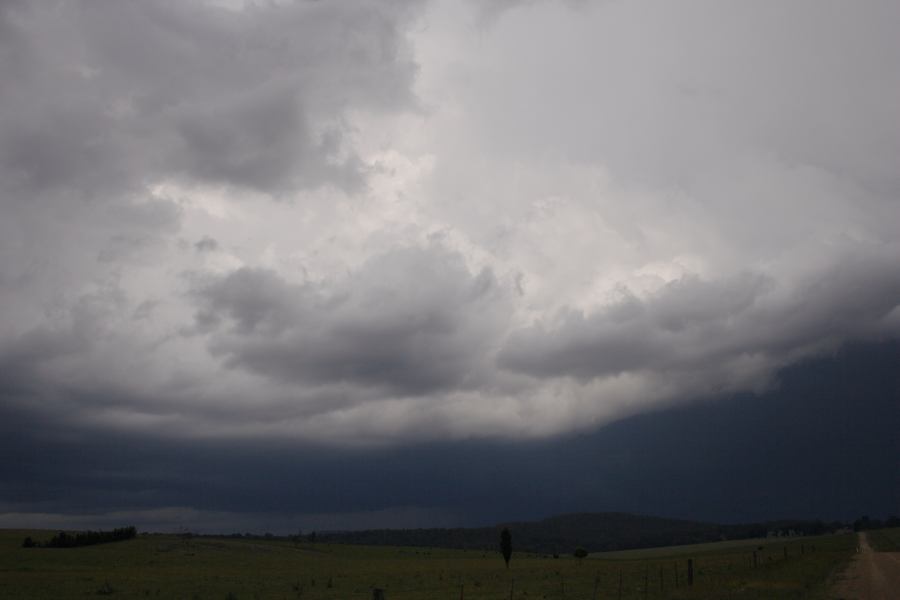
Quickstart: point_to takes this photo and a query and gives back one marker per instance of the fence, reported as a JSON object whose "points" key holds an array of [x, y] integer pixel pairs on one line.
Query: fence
{"points": [[615, 580]]}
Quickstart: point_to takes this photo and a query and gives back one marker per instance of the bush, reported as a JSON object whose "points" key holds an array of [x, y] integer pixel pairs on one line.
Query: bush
{"points": [[89, 538], [105, 590]]}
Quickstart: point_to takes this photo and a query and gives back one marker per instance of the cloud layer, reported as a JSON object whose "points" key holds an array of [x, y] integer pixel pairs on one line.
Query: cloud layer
{"points": [[818, 446], [377, 223]]}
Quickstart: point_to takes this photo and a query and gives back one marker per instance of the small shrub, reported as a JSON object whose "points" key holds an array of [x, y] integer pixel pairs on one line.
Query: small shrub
{"points": [[105, 590]]}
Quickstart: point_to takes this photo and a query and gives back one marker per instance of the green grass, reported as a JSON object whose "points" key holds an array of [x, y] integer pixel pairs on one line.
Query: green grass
{"points": [[884, 540], [691, 549], [159, 566], [746, 546]]}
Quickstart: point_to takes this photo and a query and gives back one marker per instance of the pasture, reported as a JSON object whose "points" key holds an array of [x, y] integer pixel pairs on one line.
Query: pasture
{"points": [[885, 540], [169, 566]]}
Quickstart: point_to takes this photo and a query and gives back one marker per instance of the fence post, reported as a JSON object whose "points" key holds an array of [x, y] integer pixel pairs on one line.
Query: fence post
{"points": [[596, 584], [462, 589], [690, 571], [662, 581], [377, 594], [620, 584], [646, 581], [512, 584], [676, 576]]}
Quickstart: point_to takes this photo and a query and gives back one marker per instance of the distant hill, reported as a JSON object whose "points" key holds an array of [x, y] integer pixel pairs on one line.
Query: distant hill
{"points": [[596, 532]]}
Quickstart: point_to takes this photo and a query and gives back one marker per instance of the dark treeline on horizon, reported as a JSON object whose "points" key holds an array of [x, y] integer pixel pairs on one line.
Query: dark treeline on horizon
{"points": [[596, 532], [865, 523], [83, 538]]}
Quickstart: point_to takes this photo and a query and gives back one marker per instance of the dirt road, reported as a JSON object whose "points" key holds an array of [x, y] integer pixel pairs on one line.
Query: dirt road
{"points": [[871, 576]]}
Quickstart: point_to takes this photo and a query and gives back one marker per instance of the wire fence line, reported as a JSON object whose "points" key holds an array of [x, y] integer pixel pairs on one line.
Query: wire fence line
{"points": [[625, 580]]}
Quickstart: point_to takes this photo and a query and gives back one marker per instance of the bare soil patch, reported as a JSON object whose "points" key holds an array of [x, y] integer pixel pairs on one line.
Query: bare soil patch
{"points": [[871, 576]]}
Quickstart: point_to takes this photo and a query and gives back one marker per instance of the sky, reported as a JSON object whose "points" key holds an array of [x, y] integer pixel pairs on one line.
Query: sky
{"points": [[335, 264]]}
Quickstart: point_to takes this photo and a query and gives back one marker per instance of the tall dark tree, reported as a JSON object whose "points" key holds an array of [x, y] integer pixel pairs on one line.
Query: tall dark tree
{"points": [[506, 545]]}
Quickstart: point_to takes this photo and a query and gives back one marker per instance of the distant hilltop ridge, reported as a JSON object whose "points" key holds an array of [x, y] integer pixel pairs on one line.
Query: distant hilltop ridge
{"points": [[596, 532]]}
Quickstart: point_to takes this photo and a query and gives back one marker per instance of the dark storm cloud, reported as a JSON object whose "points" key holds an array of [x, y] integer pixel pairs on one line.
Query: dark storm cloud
{"points": [[22, 357], [412, 320], [111, 95], [821, 446]]}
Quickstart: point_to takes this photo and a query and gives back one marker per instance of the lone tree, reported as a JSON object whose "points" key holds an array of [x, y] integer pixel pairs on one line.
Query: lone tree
{"points": [[506, 545]]}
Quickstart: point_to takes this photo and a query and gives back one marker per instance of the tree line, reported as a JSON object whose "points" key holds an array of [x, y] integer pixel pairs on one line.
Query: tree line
{"points": [[595, 532], [83, 538], [865, 523]]}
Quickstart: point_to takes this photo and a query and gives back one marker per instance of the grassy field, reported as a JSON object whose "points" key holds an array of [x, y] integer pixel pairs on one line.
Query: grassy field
{"points": [[885, 540], [157, 566]]}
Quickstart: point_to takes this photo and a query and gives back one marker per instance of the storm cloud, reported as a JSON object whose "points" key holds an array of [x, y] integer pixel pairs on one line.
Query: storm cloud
{"points": [[412, 321], [823, 444], [110, 94], [716, 329], [393, 222]]}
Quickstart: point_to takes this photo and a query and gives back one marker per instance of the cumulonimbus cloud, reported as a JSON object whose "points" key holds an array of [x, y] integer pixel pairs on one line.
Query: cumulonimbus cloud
{"points": [[369, 223]]}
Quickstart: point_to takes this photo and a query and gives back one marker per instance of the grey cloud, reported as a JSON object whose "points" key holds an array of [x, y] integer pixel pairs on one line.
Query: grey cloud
{"points": [[490, 12], [634, 334], [112, 115], [412, 321], [27, 362], [685, 98], [852, 298], [206, 244], [21, 356], [709, 139], [136, 227], [261, 141], [693, 326], [152, 215], [109, 96], [638, 143], [70, 328]]}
